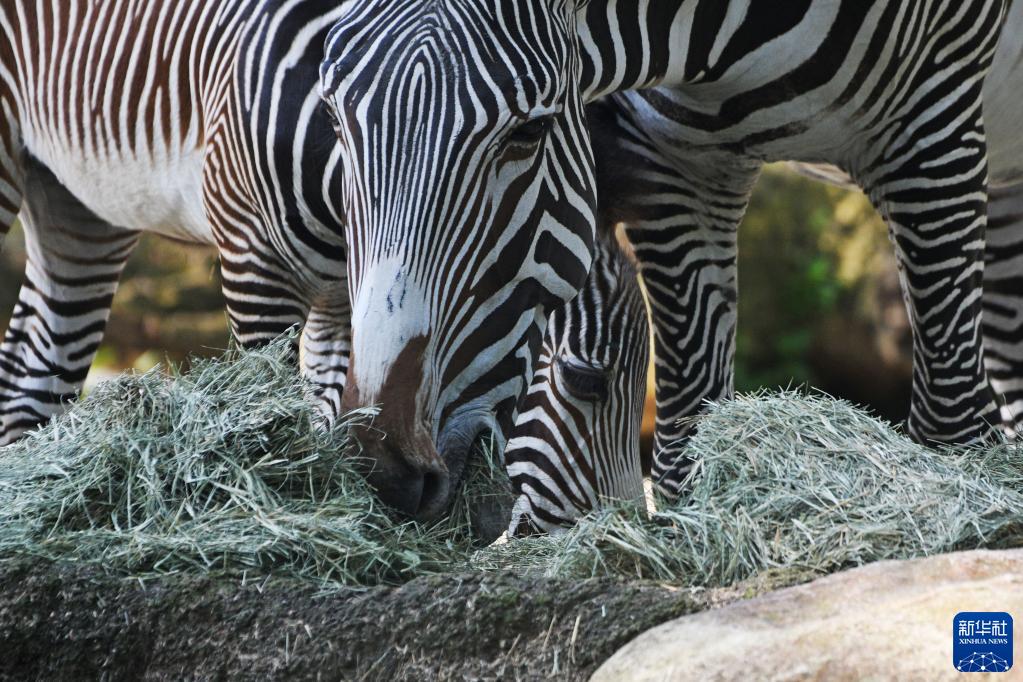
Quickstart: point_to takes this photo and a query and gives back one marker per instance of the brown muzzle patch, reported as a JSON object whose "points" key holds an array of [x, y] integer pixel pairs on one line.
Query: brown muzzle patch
{"points": [[401, 459]]}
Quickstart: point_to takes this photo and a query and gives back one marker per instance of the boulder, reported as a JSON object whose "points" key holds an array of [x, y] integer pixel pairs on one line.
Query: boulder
{"points": [[886, 621]]}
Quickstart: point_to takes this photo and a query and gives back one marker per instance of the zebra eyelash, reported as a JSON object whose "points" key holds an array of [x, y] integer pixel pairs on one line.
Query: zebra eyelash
{"points": [[327, 110], [522, 142], [530, 133], [584, 382]]}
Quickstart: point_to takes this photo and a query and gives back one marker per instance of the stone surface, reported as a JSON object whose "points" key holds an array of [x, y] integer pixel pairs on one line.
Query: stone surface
{"points": [[886, 621]]}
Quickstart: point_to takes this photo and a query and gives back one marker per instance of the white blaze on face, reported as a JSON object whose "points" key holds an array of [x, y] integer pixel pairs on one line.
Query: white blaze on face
{"points": [[389, 310]]}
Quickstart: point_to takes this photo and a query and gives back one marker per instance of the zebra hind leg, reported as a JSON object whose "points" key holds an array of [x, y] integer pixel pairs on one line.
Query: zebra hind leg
{"points": [[935, 202], [74, 263], [1003, 301]]}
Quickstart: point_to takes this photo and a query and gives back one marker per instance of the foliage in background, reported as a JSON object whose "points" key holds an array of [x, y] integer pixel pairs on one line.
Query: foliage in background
{"points": [[808, 252]]}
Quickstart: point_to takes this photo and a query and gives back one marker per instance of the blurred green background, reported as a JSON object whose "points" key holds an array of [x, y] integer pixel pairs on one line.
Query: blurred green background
{"points": [[819, 299], [819, 296]]}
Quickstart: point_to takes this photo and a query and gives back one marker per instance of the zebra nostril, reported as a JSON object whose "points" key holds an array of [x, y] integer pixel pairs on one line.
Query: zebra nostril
{"points": [[417, 493], [434, 495], [402, 495]]}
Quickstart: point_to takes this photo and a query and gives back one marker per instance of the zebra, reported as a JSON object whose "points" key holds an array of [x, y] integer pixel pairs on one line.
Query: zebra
{"points": [[202, 122], [675, 196], [576, 442], [889, 91], [470, 204], [165, 117]]}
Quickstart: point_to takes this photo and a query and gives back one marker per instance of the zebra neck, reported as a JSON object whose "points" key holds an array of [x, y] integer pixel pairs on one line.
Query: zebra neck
{"points": [[630, 44]]}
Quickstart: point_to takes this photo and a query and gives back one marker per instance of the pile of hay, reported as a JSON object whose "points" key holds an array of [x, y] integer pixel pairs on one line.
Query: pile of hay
{"points": [[796, 482], [222, 469]]}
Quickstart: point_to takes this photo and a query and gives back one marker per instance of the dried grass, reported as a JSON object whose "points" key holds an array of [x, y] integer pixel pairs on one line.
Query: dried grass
{"points": [[223, 470], [796, 482], [220, 469]]}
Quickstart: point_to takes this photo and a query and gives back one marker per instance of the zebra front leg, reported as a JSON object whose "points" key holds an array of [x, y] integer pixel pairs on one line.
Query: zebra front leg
{"points": [[263, 300], [74, 264], [1003, 301], [935, 201], [325, 349], [687, 252]]}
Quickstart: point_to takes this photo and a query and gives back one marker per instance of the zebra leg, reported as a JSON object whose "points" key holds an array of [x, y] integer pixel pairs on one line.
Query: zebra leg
{"points": [[1003, 301], [687, 251], [262, 302], [935, 201], [681, 216], [265, 301], [74, 263], [325, 349]]}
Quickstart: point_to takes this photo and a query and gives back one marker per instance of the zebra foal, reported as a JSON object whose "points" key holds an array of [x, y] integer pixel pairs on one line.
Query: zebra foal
{"points": [[576, 442]]}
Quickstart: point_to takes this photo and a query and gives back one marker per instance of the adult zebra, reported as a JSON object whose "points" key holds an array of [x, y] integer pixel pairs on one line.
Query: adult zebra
{"points": [[469, 196], [682, 221], [171, 117], [887, 90]]}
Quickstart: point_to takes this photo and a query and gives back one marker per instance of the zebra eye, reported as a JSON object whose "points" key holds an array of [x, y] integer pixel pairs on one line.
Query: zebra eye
{"points": [[328, 111], [530, 133], [584, 381]]}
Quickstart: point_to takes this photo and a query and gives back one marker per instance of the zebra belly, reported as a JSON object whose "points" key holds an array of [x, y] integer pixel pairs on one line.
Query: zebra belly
{"points": [[162, 195]]}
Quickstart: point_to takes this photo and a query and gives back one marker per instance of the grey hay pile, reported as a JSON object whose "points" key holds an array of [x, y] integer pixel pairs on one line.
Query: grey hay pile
{"points": [[220, 469], [801, 483], [225, 470]]}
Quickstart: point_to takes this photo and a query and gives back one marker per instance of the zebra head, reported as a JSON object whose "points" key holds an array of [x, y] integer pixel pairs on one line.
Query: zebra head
{"points": [[468, 190], [575, 444]]}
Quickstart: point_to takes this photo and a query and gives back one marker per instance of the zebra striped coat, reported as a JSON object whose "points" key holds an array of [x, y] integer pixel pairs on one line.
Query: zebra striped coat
{"points": [[576, 442], [891, 95], [201, 121]]}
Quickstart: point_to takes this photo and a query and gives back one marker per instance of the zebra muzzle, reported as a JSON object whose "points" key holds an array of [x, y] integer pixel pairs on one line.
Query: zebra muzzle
{"points": [[406, 473], [397, 449]]}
